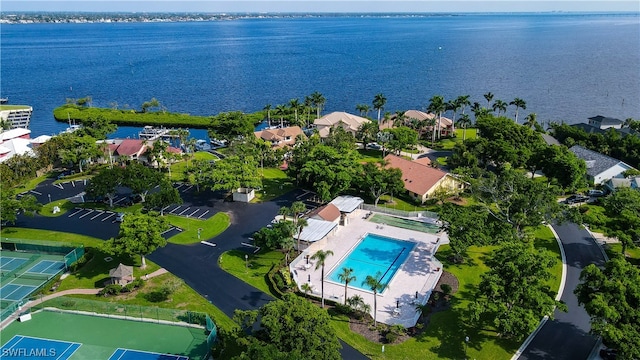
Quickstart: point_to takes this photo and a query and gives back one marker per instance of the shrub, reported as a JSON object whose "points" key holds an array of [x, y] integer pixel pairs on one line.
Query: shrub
{"points": [[113, 289], [158, 295], [391, 337], [344, 309], [446, 289]]}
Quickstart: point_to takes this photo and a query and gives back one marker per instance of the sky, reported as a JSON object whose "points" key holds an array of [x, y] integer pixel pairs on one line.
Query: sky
{"points": [[254, 6]]}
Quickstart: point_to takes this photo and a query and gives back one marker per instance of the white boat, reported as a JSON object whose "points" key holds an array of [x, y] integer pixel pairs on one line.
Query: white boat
{"points": [[202, 145]]}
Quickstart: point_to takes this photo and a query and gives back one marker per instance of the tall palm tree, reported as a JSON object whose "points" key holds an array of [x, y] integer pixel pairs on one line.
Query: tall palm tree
{"points": [[363, 109], [346, 276], [454, 105], [321, 256], [301, 224], [267, 108], [488, 96], [479, 111], [400, 117], [437, 105], [281, 110], [284, 211], [308, 103], [378, 103], [297, 208], [306, 288], [464, 121], [531, 120], [432, 124], [318, 100], [463, 100], [519, 104], [387, 119], [500, 106], [375, 284], [294, 104]]}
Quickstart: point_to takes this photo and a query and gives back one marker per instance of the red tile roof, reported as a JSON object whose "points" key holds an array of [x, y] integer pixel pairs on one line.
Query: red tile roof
{"points": [[328, 212], [130, 147], [417, 178]]}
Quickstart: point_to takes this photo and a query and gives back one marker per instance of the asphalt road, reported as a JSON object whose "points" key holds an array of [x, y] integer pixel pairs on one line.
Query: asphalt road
{"points": [[567, 336]]}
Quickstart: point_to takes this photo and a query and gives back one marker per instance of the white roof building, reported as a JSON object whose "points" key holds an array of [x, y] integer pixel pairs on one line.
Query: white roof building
{"points": [[347, 203], [14, 142]]}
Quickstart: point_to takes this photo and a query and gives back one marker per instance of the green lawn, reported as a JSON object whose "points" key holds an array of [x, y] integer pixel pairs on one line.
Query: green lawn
{"points": [[234, 263], [370, 155], [31, 184], [544, 239], [274, 183], [210, 228], [448, 144]]}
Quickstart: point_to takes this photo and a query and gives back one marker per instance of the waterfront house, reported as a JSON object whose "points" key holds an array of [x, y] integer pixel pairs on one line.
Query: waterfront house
{"points": [[600, 167], [423, 181], [280, 137], [616, 183], [446, 124], [349, 122], [603, 123]]}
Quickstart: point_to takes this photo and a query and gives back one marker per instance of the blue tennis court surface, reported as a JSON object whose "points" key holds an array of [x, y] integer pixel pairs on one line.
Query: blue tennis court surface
{"points": [[15, 292], [11, 263], [25, 347], [126, 354], [46, 267]]}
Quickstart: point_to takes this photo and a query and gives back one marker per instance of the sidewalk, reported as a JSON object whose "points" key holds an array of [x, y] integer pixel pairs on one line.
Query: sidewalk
{"points": [[39, 301]]}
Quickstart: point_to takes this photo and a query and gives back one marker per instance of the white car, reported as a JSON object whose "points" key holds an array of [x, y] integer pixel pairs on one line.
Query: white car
{"points": [[120, 217]]}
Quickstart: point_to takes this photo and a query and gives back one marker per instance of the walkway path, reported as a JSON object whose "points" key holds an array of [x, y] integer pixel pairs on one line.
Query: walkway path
{"points": [[567, 336]]}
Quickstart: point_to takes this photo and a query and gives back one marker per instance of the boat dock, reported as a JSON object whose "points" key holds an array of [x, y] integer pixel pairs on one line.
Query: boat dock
{"points": [[150, 133]]}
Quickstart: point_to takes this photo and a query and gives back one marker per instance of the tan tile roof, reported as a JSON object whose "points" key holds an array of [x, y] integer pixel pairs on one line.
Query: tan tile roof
{"points": [[328, 212], [417, 178], [421, 115], [350, 121], [280, 134]]}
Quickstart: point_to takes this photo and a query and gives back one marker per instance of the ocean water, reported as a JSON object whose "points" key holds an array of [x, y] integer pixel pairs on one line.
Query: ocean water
{"points": [[567, 67]]}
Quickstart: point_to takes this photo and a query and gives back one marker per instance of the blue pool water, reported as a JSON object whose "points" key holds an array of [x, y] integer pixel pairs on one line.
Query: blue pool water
{"points": [[372, 255]]}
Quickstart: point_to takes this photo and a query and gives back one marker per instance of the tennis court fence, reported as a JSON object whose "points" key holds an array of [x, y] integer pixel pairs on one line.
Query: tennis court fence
{"points": [[71, 252], [408, 214], [125, 311]]}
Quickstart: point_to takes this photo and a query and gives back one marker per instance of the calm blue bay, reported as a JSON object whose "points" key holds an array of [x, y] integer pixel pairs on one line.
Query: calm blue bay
{"points": [[567, 67]]}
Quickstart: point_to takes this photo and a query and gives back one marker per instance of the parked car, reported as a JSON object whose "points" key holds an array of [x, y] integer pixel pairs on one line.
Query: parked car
{"points": [[576, 199], [120, 217], [595, 193], [374, 146], [608, 354]]}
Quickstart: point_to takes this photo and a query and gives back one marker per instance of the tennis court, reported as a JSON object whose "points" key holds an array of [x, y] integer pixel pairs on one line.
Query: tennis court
{"points": [[11, 263], [26, 347], [47, 267], [101, 338], [15, 292]]}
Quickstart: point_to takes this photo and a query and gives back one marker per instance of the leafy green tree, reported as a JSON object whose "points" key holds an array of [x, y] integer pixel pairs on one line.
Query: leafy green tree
{"points": [[329, 171], [623, 210], [97, 127], [11, 206], [368, 132], [141, 179], [403, 138], [297, 209], [292, 328], [378, 180], [465, 227], [346, 276], [234, 172], [611, 297], [562, 167], [165, 196], [151, 104], [513, 294], [294, 104], [321, 257], [80, 150], [276, 237], [105, 183], [230, 125], [376, 285], [140, 234], [379, 100]]}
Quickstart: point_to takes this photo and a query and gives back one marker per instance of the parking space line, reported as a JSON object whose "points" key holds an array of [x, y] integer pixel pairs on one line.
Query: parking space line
{"points": [[73, 183], [35, 192], [179, 186], [166, 231], [303, 194], [165, 208], [59, 186], [190, 215], [205, 213], [185, 210], [174, 209], [187, 189], [79, 210], [119, 200], [85, 181], [101, 212], [90, 211], [110, 215]]}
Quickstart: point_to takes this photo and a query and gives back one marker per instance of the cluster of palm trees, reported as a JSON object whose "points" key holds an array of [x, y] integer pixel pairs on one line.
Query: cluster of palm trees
{"points": [[346, 276], [293, 110]]}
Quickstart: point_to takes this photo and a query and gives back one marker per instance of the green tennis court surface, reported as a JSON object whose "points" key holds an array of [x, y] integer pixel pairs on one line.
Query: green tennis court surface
{"points": [[110, 339], [405, 223]]}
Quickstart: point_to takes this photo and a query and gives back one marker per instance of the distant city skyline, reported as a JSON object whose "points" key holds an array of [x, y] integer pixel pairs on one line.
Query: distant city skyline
{"points": [[256, 6]]}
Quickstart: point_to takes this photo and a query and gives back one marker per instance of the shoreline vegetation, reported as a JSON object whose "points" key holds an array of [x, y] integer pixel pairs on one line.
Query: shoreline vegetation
{"points": [[132, 117]]}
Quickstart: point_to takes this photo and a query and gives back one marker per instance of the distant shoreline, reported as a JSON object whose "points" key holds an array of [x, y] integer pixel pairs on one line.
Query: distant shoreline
{"points": [[66, 17]]}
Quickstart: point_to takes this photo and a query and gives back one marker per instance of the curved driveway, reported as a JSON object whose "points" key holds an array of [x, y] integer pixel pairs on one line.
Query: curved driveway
{"points": [[567, 336]]}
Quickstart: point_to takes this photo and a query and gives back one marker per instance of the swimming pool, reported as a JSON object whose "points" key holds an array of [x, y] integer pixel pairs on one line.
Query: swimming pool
{"points": [[374, 254]]}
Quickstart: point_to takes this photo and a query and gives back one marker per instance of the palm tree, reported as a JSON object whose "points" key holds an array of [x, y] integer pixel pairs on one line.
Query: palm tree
{"points": [[500, 106], [321, 256], [378, 103], [308, 103], [400, 117], [267, 108], [519, 104], [297, 208], [432, 124], [363, 109], [294, 104], [375, 284], [464, 121], [302, 223], [346, 276], [318, 100], [284, 211], [437, 105], [281, 110], [306, 288], [387, 119], [454, 105], [531, 120], [488, 96], [463, 100], [479, 111]]}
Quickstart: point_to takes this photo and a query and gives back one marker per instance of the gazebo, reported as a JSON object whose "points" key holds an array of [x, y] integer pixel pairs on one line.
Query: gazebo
{"points": [[122, 275]]}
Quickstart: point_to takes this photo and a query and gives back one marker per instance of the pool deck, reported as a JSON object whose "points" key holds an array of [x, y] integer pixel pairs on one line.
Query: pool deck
{"points": [[396, 305]]}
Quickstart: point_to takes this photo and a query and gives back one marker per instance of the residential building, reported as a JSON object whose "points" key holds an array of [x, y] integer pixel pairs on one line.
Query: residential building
{"points": [[616, 183], [603, 123], [280, 137], [14, 142], [423, 181], [132, 149], [18, 116], [600, 167], [349, 122], [446, 124]]}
